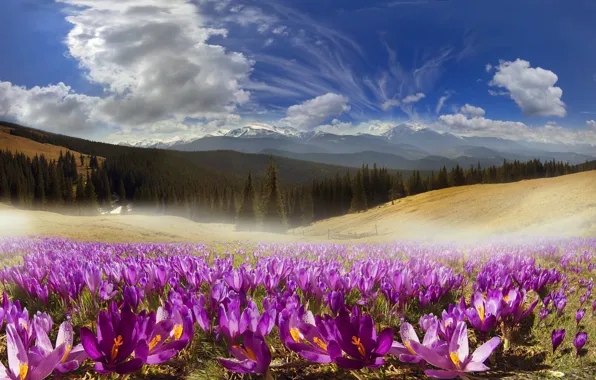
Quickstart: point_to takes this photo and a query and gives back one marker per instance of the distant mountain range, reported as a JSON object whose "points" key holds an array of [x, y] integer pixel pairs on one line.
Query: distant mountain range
{"points": [[400, 147]]}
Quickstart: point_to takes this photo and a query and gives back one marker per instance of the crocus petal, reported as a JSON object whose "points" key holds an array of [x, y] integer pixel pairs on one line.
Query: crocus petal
{"points": [[408, 333], [47, 364], [432, 357], [90, 345], [65, 334], [475, 367], [42, 342], [384, 341], [128, 367], [17, 354], [68, 366], [162, 357], [438, 374], [459, 342], [105, 332], [484, 351], [245, 366]]}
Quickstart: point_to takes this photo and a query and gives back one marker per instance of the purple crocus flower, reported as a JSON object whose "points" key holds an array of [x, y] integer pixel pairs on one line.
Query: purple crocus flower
{"points": [[106, 291], [406, 353], [155, 343], [543, 314], [594, 306], [229, 321], [484, 313], [457, 361], [253, 357], [579, 315], [311, 338], [92, 278], [557, 338], [73, 356], [336, 301], [133, 296], [580, 341], [116, 339], [357, 337], [24, 365]]}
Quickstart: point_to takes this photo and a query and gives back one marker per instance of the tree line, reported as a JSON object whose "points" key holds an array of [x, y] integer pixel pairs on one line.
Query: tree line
{"points": [[84, 185]]}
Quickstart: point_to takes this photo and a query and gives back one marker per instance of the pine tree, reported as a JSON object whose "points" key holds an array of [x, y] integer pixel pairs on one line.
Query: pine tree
{"points": [[80, 194], [247, 217], [121, 192], [359, 202], [274, 218], [90, 196], [4, 187], [307, 207]]}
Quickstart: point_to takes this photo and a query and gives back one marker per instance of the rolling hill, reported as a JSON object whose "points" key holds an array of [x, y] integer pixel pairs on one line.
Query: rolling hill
{"points": [[463, 213]]}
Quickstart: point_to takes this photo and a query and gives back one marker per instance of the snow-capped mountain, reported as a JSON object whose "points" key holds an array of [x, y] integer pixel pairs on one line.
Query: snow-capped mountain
{"points": [[257, 130]]}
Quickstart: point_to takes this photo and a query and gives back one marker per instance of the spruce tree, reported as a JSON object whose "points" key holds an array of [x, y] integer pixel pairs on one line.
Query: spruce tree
{"points": [[274, 218], [80, 194], [90, 196], [359, 202], [247, 216]]}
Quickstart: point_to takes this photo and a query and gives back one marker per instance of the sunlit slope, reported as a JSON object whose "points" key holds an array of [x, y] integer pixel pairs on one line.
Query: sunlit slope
{"points": [[30, 148], [559, 206], [562, 206]]}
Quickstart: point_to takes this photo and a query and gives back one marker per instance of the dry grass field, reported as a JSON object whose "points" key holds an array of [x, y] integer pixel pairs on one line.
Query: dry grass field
{"points": [[31, 148], [562, 206]]}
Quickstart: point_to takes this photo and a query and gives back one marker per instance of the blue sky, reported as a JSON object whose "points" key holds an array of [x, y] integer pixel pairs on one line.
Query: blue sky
{"points": [[148, 69]]}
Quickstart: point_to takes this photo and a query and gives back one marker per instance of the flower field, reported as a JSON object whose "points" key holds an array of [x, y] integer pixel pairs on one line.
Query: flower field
{"points": [[404, 310]]}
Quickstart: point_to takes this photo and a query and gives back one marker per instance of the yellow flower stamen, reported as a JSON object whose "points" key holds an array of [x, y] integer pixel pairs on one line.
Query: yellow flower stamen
{"points": [[506, 298], [407, 344], [117, 343], [178, 331], [320, 343], [455, 359], [23, 370], [68, 348], [480, 310], [24, 325], [154, 342], [448, 323], [356, 342], [295, 334]]}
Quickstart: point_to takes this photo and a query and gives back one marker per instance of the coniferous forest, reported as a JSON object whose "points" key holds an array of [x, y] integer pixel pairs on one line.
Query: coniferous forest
{"points": [[138, 184]]}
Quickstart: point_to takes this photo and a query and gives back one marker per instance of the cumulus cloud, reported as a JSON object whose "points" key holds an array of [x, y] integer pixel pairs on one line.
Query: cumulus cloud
{"points": [[313, 112], [413, 98], [532, 89], [488, 68], [472, 111], [56, 107], [154, 62], [591, 124]]}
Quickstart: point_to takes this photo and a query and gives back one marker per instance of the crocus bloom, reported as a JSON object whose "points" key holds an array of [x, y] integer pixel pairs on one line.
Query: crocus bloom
{"points": [[357, 337], [543, 314], [155, 343], [311, 338], [406, 353], [253, 357], [579, 314], [24, 365], [580, 341], [116, 340], [73, 356], [484, 313], [457, 361], [557, 338]]}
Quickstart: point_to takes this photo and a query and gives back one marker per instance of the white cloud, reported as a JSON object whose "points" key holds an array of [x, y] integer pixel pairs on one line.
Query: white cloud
{"points": [[313, 112], [442, 101], [388, 104], [532, 89], [153, 59], [413, 98], [472, 111], [55, 107], [488, 68], [591, 124], [515, 130]]}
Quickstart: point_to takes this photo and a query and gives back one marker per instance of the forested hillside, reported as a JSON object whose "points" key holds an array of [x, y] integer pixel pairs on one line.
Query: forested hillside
{"points": [[208, 186]]}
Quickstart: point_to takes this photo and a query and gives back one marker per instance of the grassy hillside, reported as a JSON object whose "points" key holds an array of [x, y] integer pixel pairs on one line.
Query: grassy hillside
{"points": [[30, 148], [462, 213]]}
